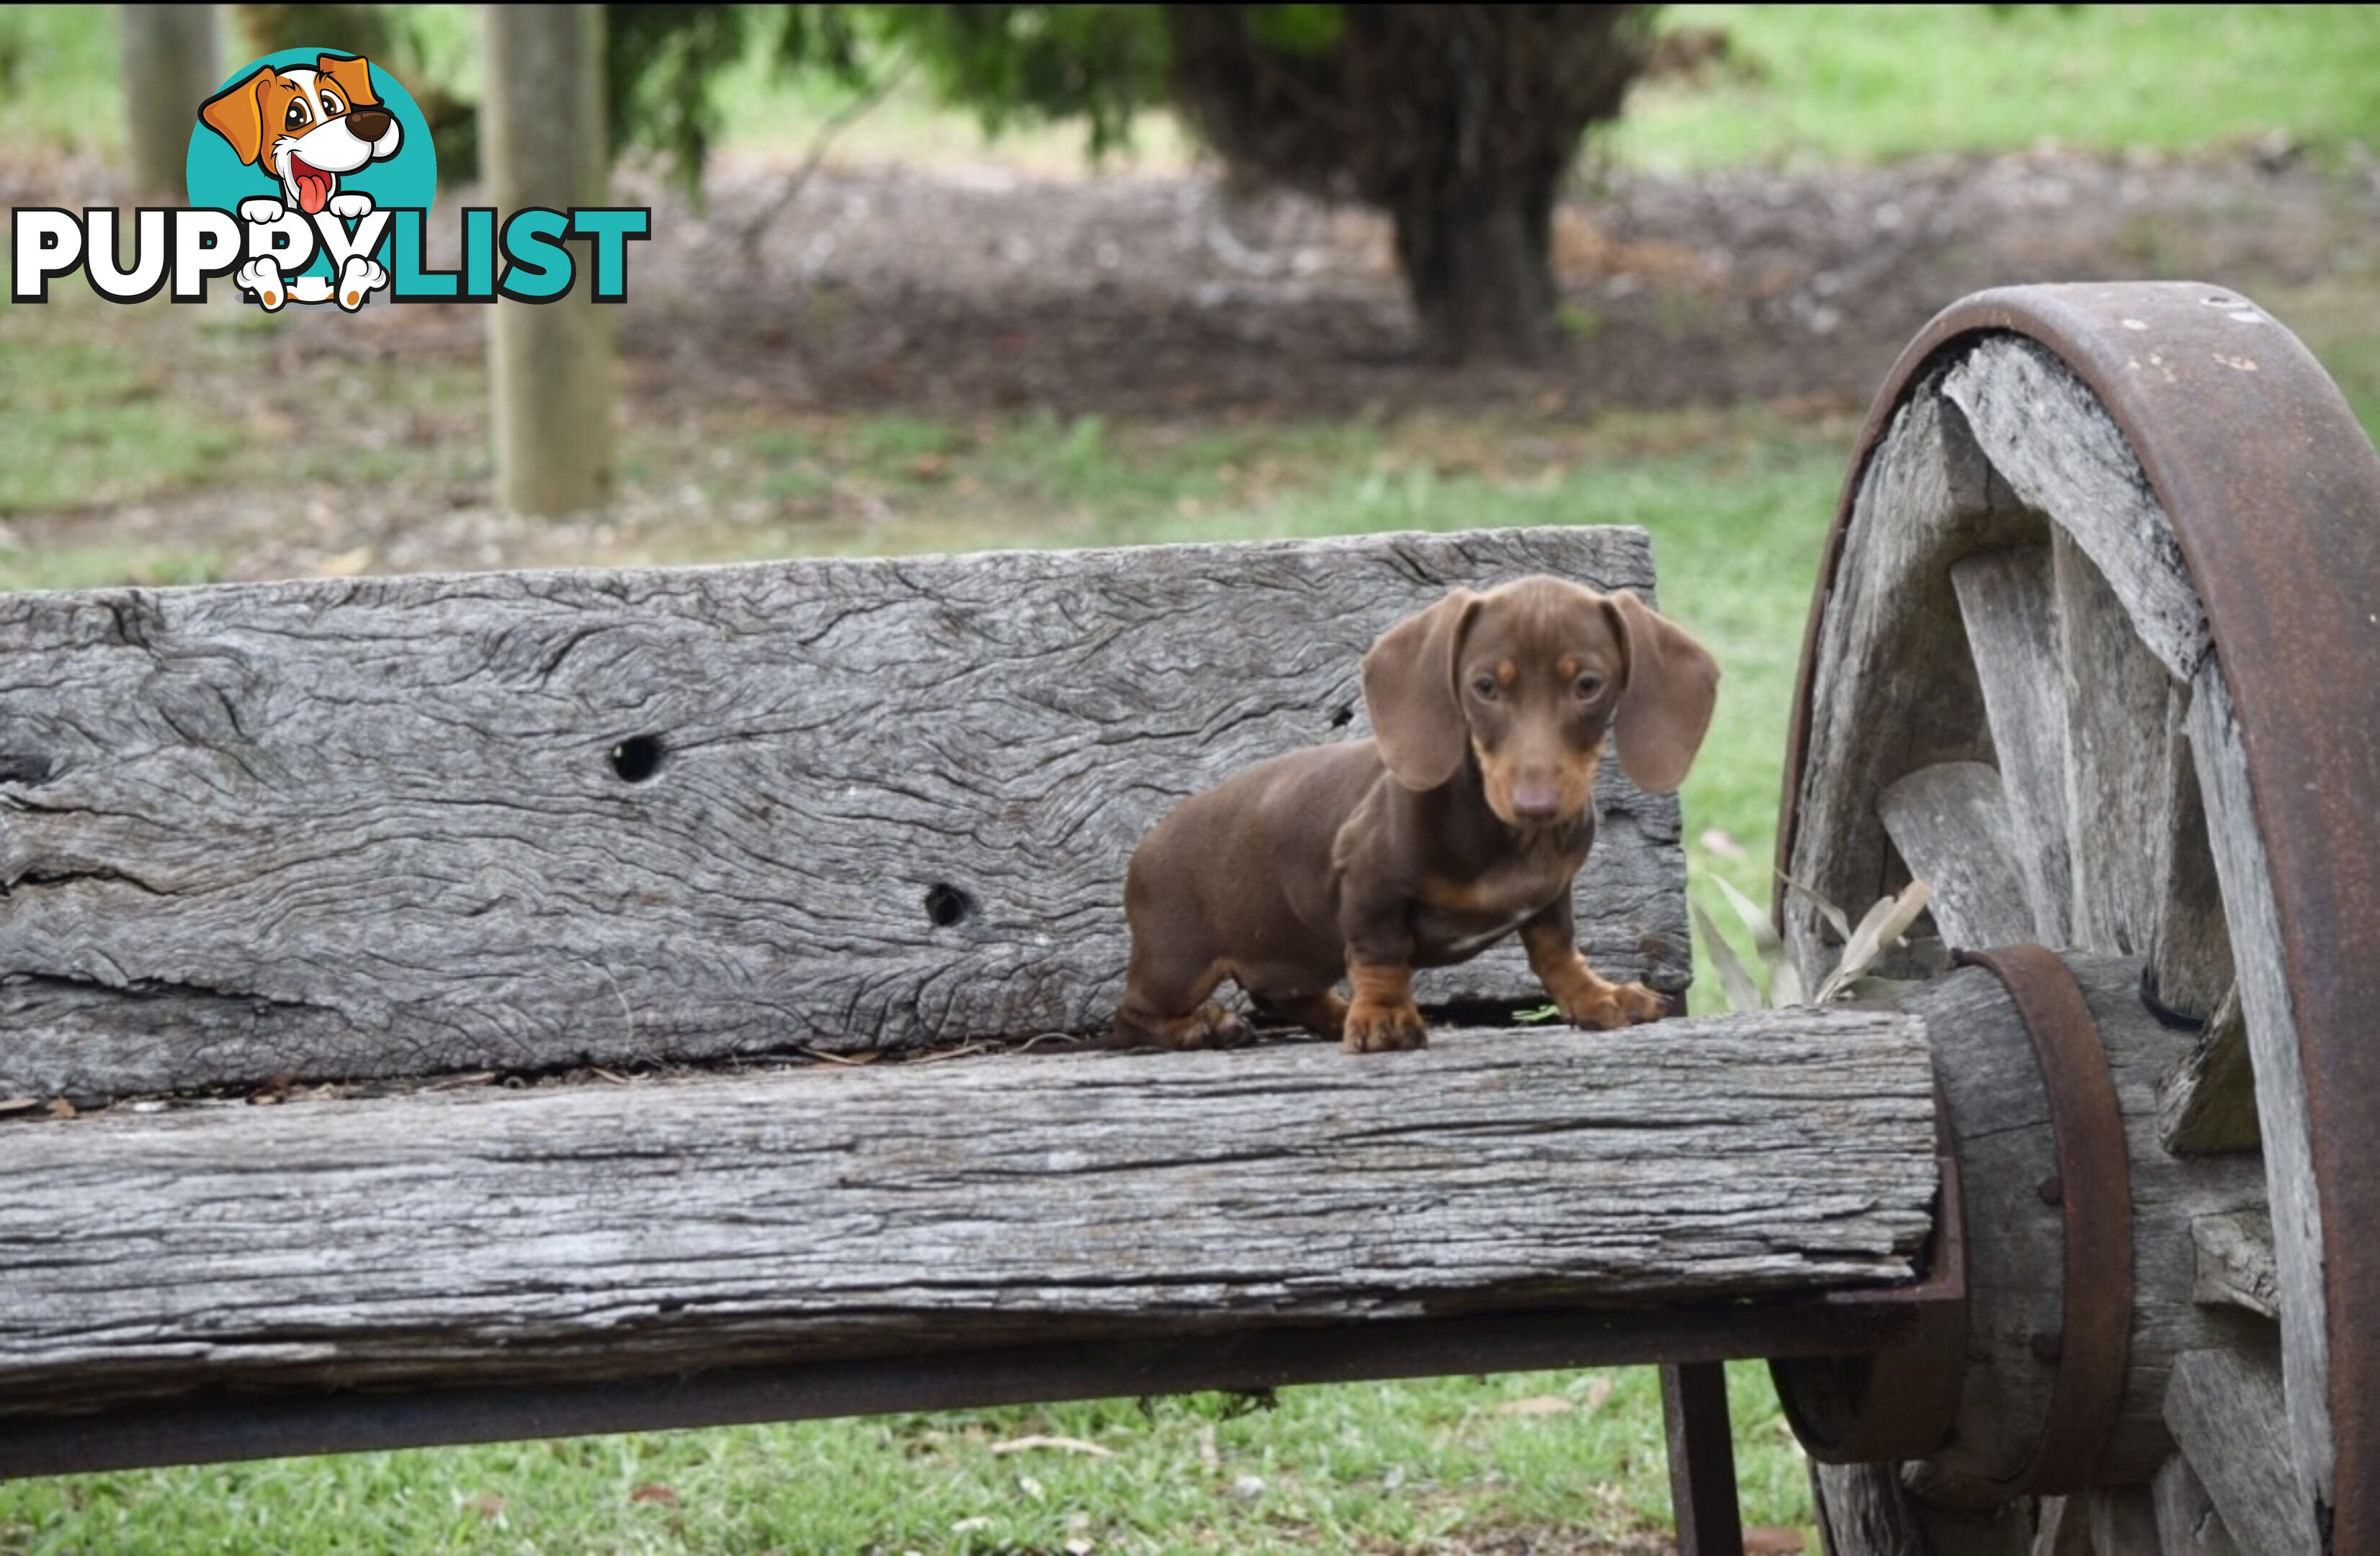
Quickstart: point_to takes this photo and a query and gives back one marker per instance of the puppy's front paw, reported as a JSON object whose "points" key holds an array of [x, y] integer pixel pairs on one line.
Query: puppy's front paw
{"points": [[1602, 1006], [352, 206], [1640, 1004], [1375, 1028], [261, 210]]}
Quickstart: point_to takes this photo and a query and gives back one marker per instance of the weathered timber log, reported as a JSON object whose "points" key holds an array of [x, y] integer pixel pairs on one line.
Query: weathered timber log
{"points": [[387, 827], [585, 1233]]}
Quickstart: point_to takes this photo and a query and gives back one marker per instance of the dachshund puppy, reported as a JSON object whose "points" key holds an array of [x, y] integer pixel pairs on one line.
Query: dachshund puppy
{"points": [[1464, 818]]}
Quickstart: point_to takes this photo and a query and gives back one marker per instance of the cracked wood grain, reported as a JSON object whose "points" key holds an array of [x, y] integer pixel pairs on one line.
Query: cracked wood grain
{"points": [[585, 1233], [375, 827]]}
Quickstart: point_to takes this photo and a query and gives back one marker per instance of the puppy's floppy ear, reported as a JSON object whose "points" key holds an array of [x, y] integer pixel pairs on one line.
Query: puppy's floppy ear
{"points": [[236, 113], [351, 75], [1666, 707], [1409, 690]]}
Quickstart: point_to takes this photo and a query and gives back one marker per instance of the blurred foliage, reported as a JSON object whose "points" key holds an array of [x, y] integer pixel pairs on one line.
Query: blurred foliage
{"points": [[391, 36], [1098, 63]]}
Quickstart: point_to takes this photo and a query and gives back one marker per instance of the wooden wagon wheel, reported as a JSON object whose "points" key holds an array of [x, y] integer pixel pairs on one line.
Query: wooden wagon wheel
{"points": [[2097, 652]]}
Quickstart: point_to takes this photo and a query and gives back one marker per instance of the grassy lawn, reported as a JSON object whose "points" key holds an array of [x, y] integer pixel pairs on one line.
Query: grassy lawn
{"points": [[1867, 83]]}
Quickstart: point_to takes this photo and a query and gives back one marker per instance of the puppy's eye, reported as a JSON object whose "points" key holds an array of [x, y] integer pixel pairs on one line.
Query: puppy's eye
{"points": [[296, 118], [330, 105], [1484, 686], [1588, 687]]}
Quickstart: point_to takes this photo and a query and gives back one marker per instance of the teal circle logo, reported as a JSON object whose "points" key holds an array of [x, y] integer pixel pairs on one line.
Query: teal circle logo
{"points": [[307, 127]]}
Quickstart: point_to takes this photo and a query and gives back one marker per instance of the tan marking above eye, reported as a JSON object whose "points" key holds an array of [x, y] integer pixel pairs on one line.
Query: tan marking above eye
{"points": [[1507, 672], [1567, 666]]}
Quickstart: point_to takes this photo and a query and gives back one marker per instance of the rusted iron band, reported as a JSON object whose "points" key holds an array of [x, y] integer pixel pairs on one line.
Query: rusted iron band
{"points": [[2093, 1349]]}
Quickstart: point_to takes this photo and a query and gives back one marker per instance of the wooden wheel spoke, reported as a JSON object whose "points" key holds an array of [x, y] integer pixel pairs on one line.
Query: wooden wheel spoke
{"points": [[2187, 1521], [2118, 762], [2225, 1410], [1952, 827], [2010, 617]]}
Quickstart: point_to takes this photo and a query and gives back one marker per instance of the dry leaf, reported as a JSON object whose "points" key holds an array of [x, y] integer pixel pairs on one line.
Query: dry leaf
{"points": [[487, 1505], [19, 1105], [1722, 843], [1064, 1444], [61, 1108], [650, 1492], [1768, 1540], [1536, 1404], [346, 565], [1598, 1389]]}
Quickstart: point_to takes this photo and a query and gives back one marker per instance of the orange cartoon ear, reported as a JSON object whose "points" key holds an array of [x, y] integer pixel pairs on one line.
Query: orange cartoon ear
{"points": [[351, 75], [236, 113]]}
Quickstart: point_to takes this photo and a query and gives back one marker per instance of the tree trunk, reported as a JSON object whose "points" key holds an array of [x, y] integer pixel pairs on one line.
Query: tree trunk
{"points": [[1481, 277], [551, 365], [169, 69]]}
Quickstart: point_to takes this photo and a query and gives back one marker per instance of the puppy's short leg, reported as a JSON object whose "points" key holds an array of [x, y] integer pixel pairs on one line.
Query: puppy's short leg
{"points": [[1382, 1016], [1165, 1002], [1585, 999]]}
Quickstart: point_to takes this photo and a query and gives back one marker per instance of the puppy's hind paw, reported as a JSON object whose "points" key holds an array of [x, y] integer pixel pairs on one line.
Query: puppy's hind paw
{"points": [[1211, 1026], [1383, 1029]]}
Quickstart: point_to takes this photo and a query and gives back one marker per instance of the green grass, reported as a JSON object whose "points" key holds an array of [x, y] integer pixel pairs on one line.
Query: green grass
{"points": [[1868, 83], [83, 423], [1358, 1467]]}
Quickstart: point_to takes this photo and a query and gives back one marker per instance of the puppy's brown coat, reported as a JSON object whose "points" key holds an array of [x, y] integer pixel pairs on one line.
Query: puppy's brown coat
{"points": [[1464, 818]]}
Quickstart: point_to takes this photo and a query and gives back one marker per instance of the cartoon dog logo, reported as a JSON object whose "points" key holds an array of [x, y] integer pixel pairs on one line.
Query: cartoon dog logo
{"points": [[306, 127]]}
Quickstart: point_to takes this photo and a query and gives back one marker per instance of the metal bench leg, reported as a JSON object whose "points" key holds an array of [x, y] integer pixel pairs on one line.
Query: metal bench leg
{"points": [[1702, 1459]]}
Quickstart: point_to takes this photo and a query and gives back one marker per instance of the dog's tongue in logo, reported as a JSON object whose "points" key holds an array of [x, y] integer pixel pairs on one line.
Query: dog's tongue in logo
{"points": [[312, 184]]}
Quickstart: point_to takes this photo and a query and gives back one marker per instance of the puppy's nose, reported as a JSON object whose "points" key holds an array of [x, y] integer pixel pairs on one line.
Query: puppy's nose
{"points": [[1537, 802], [370, 124]]}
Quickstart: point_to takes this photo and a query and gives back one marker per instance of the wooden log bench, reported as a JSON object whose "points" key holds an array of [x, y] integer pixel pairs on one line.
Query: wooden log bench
{"points": [[549, 912]]}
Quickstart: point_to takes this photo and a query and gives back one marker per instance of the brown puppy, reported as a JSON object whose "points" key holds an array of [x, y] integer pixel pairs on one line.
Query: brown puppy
{"points": [[1464, 818]]}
